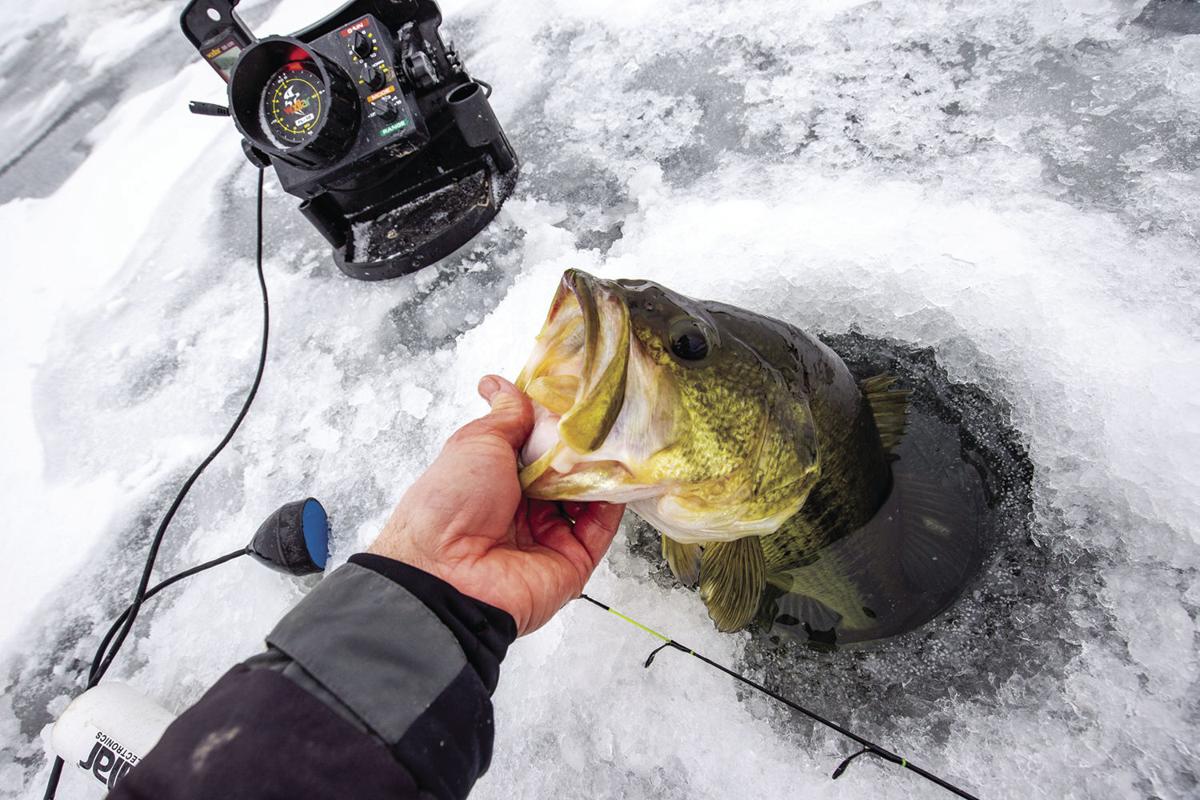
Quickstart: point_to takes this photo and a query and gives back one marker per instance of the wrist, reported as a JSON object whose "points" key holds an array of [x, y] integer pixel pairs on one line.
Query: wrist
{"points": [[399, 542], [396, 542]]}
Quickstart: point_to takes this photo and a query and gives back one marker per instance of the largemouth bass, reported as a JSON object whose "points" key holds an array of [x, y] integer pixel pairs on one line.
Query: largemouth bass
{"points": [[744, 441]]}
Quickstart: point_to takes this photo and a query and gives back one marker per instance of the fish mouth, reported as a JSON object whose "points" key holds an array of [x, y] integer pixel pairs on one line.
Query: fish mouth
{"points": [[575, 376]]}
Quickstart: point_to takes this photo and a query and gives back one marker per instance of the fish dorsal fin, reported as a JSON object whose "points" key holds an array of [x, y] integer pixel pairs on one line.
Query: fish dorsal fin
{"points": [[683, 559], [889, 407], [732, 578]]}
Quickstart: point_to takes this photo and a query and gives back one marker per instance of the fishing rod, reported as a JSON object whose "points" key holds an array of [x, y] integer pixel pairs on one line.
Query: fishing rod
{"points": [[868, 747]]}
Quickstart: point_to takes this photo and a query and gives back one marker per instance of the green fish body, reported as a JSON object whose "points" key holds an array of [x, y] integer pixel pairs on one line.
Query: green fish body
{"points": [[745, 441]]}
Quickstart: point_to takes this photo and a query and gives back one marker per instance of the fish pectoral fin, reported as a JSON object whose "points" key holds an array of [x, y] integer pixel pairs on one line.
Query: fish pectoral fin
{"points": [[800, 609], [787, 464], [889, 407], [683, 559], [732, 578], [822, 595]]}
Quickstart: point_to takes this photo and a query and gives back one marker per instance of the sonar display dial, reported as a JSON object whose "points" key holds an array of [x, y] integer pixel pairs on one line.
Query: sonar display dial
{"points": [[294, 103]]}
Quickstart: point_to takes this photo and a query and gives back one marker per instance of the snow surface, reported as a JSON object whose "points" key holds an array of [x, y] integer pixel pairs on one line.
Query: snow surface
{"points": [[1014, 183]]}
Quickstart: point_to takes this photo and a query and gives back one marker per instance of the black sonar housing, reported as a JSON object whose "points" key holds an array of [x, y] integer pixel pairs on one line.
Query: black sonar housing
{"points": [[372, 121]]}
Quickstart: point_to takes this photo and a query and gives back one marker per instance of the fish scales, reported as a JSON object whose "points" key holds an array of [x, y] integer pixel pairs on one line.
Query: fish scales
{"points": [[746, 442]]}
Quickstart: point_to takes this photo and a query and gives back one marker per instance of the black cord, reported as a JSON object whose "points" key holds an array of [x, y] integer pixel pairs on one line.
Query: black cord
{"points": [[55, 775], [152, 556], [124, 624], [187, 573], [56, 770], [868, 745]]}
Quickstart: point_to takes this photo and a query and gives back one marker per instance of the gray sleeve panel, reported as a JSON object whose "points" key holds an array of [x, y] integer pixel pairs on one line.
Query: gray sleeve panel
{"points": [[277, 661], [373, 646]]}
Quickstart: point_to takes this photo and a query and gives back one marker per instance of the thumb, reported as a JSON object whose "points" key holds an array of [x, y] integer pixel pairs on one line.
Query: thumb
{"points": [[511, 417]]}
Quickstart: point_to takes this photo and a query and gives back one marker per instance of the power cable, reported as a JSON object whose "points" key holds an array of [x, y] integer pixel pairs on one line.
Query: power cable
{"points": [[119, 632]]}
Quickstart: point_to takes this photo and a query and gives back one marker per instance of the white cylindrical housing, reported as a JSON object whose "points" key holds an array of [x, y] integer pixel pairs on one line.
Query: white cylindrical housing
{"points": [[107, 730]]}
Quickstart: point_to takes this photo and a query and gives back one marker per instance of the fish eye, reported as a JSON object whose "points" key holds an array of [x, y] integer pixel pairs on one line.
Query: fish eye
{"points": [[688, 340]]}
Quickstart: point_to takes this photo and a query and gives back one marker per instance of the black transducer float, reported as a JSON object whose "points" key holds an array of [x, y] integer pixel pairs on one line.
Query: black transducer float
{"points": [[372, 121]]}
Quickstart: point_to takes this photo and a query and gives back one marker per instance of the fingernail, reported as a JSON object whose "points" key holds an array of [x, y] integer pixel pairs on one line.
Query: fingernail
{"points": [[488, 387]]}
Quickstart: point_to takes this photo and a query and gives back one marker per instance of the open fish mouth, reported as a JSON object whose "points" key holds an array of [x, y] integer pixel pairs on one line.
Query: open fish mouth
{"points": [[576, 378]]}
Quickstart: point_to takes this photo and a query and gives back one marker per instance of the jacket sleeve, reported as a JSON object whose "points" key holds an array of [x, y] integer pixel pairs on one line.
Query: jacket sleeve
{"points": [[377, 685]]}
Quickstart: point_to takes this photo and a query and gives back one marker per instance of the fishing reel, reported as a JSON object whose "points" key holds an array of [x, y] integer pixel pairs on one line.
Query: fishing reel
{"points": [[371, 120]]}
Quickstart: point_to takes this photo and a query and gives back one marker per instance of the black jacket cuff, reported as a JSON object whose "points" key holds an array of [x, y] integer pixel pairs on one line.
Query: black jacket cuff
{"points": [[483, 631], [407, 658]]}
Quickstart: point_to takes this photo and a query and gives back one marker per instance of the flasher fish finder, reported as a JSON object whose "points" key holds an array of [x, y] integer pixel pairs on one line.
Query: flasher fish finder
{"points": [[369, 118]]}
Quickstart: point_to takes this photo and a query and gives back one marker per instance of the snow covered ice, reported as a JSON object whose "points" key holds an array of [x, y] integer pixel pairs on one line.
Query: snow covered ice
{"points": [[1015, 184]]}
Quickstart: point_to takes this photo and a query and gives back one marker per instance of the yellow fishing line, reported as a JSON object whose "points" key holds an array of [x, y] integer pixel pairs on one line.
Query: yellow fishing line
{"points": [[631, 621]]}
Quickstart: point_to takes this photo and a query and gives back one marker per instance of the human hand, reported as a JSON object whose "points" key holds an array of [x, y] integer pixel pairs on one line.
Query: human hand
{"points": [[466, 521]]}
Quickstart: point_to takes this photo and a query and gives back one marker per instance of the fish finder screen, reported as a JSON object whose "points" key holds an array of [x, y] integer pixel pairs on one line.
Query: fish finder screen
{"points": [[223, 56]]}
